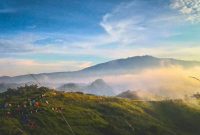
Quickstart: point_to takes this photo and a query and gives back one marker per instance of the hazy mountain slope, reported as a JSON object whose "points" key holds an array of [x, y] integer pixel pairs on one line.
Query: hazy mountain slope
{"points": [[132, 64], [138, 63], [129, 94], [139, 95], [93, 115], [5, 86], [71, 87], [98, 87]]}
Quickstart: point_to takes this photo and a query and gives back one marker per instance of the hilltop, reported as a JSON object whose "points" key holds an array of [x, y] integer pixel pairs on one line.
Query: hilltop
{"points": [[139, 95], [97, 87], [31, 110]]}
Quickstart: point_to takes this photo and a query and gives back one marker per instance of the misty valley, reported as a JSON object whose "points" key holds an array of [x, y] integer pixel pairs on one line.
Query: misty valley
{"points": [[133, 96]]}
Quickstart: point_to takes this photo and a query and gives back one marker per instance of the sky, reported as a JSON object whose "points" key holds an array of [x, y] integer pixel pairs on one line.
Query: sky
{"points": [[66, 35]]}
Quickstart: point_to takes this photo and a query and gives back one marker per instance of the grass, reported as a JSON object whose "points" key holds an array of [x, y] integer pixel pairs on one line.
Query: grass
{"points": [[94, 115]]}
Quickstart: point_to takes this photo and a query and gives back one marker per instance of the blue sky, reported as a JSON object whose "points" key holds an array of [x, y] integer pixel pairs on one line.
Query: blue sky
{"points": [[64, 35]]}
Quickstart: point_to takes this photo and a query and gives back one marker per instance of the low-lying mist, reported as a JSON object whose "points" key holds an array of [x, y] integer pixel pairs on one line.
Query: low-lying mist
{"points": [[172, 82], [167, 82]]}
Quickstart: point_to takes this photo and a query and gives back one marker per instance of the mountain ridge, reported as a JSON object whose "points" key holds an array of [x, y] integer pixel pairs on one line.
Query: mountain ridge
{"points": [[118, 66], [97, 87], [121, 59]]}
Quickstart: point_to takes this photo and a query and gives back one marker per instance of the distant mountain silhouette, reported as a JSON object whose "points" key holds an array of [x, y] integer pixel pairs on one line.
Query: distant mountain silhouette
{"points": [[119, 66], [139, 95], [98, 87], [129, 94], [72, 87]]}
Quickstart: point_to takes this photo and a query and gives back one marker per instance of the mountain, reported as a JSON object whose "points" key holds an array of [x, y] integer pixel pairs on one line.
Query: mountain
{"points": [[129, 94], [137, 63], [139, 95], [72, 87], [40, 111], [116, 67], [98, 87]]}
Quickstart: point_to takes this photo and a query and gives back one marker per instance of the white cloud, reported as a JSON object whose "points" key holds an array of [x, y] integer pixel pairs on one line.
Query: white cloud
{"points": [[130, 24], [21, 45], [26, 43], [11, 66], [31, 26], [189, 8]]}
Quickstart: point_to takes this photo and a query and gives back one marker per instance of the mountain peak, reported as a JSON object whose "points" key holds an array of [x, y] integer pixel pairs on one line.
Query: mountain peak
{"points": [[100, 87], [99, 81], [114, 67], [100, 84], [142, 57]]}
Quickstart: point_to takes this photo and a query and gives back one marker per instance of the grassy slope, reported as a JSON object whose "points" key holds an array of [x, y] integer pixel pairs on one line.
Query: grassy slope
{"points": [[93, 115]]}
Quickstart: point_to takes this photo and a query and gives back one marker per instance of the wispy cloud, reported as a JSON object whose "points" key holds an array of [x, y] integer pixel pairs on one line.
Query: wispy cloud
{"points": [[130, 24], [24, 44], [20, 43], [189, 8], [31, 26], [12, 66]]}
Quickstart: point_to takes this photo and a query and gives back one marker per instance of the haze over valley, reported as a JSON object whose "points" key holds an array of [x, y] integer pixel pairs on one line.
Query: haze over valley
{"points": [[164, 77]]}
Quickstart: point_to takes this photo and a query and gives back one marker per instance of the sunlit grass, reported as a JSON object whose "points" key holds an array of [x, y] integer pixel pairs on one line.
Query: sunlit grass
{"points": [[95, 115]]}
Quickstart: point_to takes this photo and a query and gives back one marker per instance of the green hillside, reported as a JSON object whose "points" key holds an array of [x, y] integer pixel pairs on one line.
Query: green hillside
{"points": [[39, 111]]}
